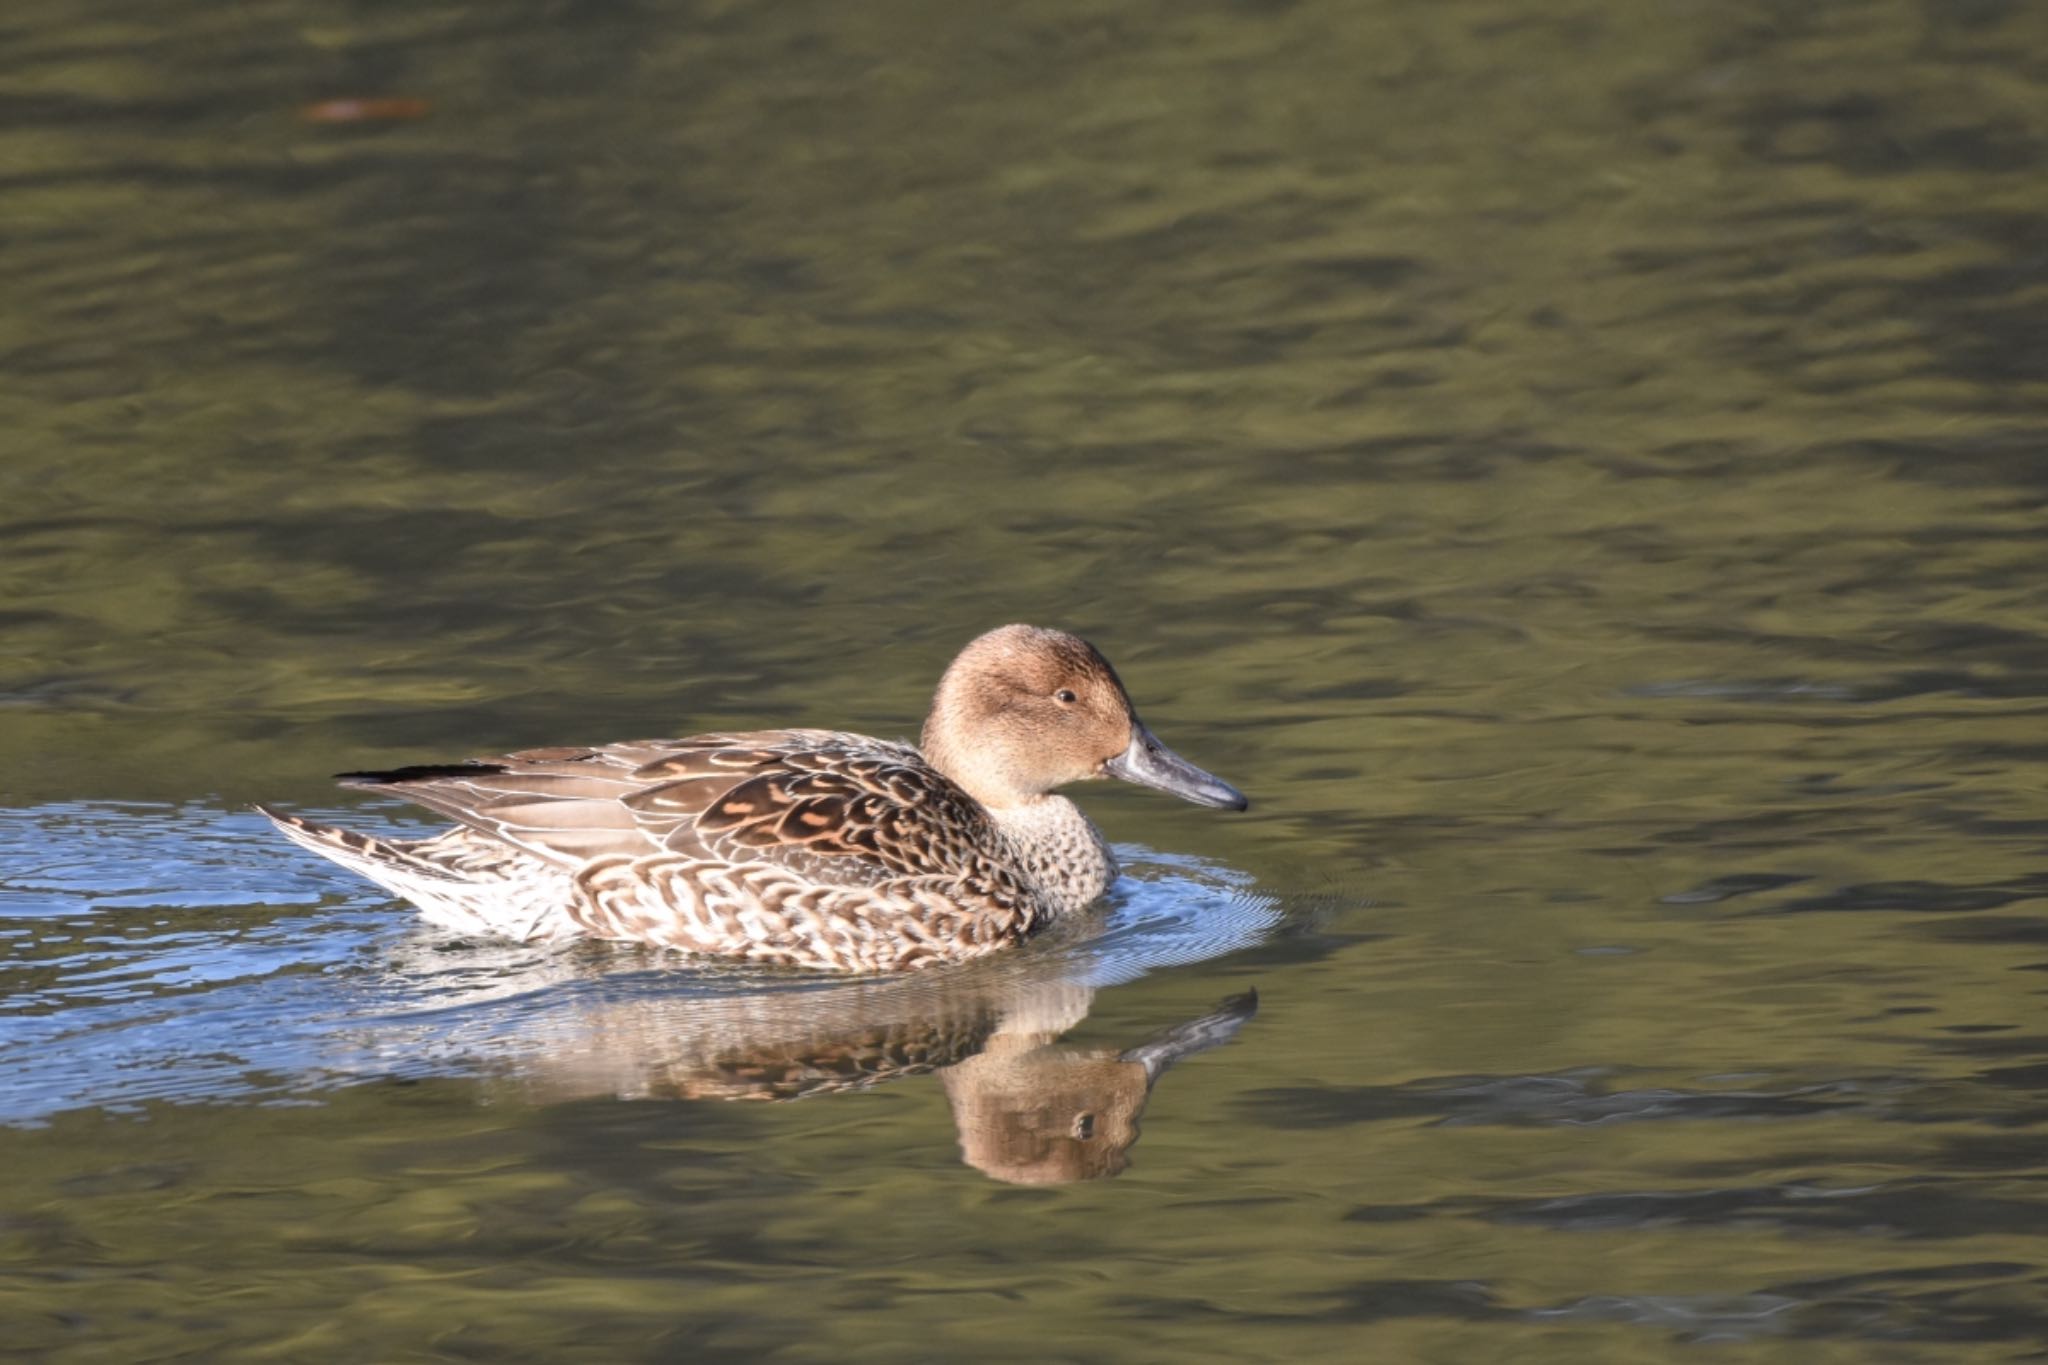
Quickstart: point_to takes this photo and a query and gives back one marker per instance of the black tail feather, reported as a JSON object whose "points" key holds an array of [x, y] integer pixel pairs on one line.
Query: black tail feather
{"points": [[418, 772]]}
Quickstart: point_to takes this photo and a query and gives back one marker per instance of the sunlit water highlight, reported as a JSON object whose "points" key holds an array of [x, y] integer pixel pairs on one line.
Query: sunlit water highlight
{"points": [[165, 953]]}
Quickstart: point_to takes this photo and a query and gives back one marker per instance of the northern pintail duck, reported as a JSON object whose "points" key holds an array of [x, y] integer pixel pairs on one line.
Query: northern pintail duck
{"points": [[812, 848]]}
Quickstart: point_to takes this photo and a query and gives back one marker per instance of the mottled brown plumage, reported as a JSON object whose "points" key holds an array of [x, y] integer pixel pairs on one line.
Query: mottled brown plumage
{"points": [[811, 848]]}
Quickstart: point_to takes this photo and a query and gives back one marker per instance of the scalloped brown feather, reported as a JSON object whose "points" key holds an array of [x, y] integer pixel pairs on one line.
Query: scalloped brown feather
{"points": [[799, 847]]}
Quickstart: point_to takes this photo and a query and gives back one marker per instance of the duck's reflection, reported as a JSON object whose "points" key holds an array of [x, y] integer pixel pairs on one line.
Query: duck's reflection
{"points": [[1028, 1109], [592, 1020]]}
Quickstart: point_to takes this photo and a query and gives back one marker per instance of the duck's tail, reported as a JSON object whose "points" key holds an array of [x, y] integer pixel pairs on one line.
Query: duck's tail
{"points": [[453, 896]]}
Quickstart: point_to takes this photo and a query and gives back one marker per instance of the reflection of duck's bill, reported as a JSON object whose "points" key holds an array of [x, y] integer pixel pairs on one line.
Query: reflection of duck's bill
{"points": [[1213, 1029], [1149, 763]]}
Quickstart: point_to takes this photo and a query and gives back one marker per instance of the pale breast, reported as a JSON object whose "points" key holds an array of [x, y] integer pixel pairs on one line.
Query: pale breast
{"points": [[1060, 850]]}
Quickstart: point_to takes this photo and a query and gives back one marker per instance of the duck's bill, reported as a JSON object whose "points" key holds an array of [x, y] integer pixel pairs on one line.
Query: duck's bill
{"points": [[1151, 764]]}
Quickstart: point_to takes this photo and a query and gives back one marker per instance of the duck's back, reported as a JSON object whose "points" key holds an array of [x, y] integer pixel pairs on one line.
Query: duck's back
{"points": [[809, 847]]}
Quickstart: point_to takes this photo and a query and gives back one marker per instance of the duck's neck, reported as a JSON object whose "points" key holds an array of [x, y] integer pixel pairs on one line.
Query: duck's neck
{"points": [[1060, 849]]}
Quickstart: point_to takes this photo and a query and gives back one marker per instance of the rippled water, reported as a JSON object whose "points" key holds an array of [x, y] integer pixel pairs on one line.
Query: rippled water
{"points": [[224, 969], [1578, 471]]}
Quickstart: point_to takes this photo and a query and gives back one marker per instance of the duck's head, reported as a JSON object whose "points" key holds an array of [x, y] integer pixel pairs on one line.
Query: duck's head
{"points": [[1023, 710]]}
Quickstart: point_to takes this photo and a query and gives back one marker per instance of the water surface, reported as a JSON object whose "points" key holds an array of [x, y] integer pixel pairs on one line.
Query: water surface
{"points": [[1577, 471]]}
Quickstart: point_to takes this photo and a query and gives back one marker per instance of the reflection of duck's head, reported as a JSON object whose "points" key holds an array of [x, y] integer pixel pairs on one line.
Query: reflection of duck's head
{"points": [[1033, 1114], [1046, 1116]]}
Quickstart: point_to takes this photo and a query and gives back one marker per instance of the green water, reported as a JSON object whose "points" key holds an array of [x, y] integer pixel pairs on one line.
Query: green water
{"points": [[1578, 468]]}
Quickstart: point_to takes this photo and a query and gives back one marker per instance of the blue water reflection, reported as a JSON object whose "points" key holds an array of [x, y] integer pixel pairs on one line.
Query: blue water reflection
{"points": [[153, 952]]}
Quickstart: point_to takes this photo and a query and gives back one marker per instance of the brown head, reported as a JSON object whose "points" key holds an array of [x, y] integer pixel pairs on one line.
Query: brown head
{"points": [[1023, 710]]}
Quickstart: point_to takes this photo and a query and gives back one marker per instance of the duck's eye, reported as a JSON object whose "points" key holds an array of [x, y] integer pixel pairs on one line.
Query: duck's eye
{"points": [[1065, 696]]}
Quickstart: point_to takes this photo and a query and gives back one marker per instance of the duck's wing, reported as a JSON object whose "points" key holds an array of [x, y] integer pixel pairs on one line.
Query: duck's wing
{"points": [[838, 809]]}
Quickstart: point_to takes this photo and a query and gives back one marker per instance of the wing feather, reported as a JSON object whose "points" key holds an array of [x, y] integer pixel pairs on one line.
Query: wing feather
{"points": [[836, 809]]}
